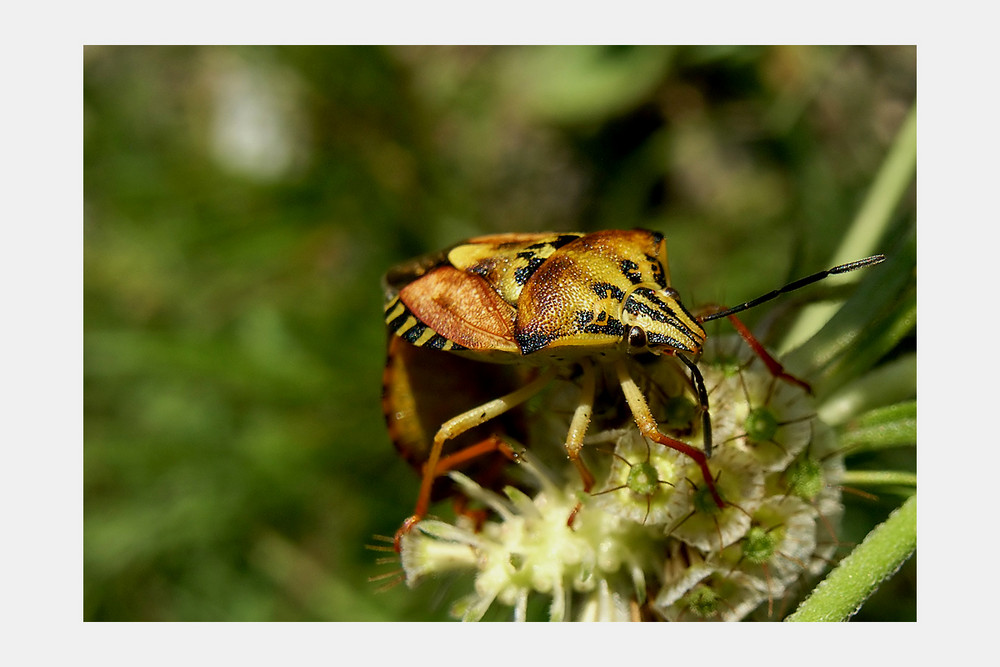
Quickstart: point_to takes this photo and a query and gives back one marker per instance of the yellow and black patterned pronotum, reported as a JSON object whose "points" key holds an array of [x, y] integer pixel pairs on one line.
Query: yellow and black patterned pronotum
{"points": [[545, 301]]}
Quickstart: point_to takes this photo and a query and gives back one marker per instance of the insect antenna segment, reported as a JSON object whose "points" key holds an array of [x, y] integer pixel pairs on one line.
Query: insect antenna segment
{"points": [[796, 284]]}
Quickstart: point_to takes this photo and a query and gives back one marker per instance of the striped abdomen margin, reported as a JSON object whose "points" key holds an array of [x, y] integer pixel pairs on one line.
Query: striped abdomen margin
{"points": [[403, 323]]}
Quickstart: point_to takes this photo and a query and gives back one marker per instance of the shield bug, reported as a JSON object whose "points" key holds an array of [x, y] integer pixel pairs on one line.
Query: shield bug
{"points": [[545, 304]]}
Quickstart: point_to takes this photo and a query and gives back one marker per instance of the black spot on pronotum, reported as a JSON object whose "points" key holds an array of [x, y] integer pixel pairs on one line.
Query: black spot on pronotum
{"points": [[583, 318], [630, 270], [604, 290], [658, 277]]}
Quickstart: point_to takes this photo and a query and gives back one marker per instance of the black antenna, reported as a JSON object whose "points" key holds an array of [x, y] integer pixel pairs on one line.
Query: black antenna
{"points": [[792, 286], [706, 418]]}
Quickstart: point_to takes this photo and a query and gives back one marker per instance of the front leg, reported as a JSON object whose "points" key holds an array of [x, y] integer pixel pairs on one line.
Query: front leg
{"points": [[650, 429]]}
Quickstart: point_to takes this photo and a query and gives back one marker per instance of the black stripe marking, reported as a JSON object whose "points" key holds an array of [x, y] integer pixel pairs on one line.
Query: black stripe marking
{"points": [[630, 270], [395, 324], [522, 274], [412, 334], [532, 342], [654, 339], [634, 306], [562, 240], [604, 289], [436, 342], [391, 304], [612, 328]]}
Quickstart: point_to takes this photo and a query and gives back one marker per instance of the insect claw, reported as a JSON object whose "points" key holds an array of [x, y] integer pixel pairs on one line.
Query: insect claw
{"points": [[407, 526], [572, 515]]}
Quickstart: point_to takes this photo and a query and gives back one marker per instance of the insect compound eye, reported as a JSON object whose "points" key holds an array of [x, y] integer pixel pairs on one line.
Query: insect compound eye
{"points": [[636, 337], [671, 292]]}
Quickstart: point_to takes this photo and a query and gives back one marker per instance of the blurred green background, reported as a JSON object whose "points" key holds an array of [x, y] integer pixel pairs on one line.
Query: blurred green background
{"points": [[242, 203]]}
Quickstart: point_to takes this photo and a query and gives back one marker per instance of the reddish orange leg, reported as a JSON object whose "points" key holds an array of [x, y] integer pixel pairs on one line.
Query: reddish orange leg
{"points": [[491, 444], [716, 312], [775, 368], [455, 427], [650, 429], [773, 365]]}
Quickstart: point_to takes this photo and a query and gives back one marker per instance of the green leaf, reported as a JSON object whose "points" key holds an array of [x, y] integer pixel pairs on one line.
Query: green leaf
{"points": [[891, 382], [870, 224], [891, 426], [585, 83], [893, 480], [845, 589], [881, 312]]}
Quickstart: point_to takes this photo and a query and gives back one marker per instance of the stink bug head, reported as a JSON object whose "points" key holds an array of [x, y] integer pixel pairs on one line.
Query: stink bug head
{"points": [[657, 321]]}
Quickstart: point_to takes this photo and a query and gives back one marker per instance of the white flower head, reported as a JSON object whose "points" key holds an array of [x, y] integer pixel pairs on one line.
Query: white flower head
{"points": [[649, 539]]}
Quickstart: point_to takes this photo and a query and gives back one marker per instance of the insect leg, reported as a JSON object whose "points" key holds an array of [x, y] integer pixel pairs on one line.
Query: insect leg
{"points": [[459, 425], [773, 365], [706, 418], [648, 427], [581, 420], [492, 443]]}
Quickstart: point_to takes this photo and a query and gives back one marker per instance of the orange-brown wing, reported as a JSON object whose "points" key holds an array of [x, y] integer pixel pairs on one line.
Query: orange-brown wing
{"points": [[459, 307]]}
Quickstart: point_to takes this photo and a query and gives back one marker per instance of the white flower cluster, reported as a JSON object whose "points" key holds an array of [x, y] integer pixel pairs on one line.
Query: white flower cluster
{"points": [[648, 541]]}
